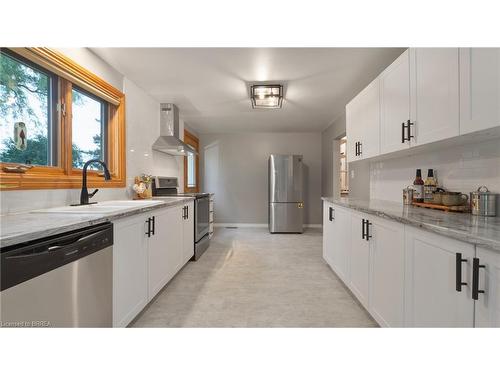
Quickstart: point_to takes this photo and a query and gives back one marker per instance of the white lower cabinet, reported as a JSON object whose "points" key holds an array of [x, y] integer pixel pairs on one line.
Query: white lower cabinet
{"points": [[148, 250], [487, 313], [336, 253], [408, 277], [165, 248], [367, 253], [387, 246], [130, 268], [328, 236], [359, 260], [432, 299], [188, 232]]}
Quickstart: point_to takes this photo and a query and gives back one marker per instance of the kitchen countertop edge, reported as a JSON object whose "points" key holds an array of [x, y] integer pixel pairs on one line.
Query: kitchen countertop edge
{"points": [[491, 243], [82, 221]]}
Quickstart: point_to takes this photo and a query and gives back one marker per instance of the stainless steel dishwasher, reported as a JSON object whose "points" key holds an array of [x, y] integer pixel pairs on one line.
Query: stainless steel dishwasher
{"points": [[59, 281]]}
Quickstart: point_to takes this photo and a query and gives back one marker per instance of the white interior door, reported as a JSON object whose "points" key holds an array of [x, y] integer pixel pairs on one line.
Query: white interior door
{"points": [[434, 95], [394, 104], [431, 298], [479, 89]]}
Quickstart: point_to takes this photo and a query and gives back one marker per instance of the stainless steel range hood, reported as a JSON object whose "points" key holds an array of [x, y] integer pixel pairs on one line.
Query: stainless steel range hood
{"points": [[169, 140]]}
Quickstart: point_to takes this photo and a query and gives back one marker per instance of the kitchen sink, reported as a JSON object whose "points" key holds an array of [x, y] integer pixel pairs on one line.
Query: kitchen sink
{"points": [[105, 207], [125, 203]]}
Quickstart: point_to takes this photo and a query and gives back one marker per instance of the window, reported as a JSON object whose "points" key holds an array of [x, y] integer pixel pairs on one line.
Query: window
{"points": [[55, 116], [191, 165], [191, 175], [344, 174], [28, 98], [89, 121]]}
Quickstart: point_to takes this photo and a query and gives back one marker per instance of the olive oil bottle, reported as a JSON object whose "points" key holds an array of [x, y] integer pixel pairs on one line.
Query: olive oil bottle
{"points": [[430, 186]]}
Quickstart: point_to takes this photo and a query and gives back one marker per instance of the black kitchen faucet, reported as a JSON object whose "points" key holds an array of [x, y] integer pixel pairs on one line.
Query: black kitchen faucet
{"points": [[84, 195]]}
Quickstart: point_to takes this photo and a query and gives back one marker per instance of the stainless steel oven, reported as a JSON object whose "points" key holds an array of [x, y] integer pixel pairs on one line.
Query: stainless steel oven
{"points": [[167, 186], [201, 217]]}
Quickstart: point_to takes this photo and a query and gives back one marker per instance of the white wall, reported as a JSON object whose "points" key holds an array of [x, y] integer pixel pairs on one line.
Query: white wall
{"points": [[238, 173], [463, 168], [143, 128], [142, 121]]}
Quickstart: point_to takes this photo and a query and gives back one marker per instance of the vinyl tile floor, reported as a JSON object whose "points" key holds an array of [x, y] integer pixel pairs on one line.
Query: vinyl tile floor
{"points": [[251, 278]]}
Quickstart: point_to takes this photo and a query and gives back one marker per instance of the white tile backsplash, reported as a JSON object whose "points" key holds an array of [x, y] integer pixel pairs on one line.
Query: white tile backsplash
{"points": [[460, 168], [27, 200]]}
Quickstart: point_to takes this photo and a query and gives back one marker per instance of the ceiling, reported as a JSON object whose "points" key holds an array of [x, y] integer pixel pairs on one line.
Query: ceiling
{"points": [[209, 85]]}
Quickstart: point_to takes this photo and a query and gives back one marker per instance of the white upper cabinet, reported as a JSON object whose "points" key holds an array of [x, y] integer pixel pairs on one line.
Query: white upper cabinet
{"points": [[353, 114], [426, 95], [434, 266], [479, 89], [395, 104], [434, 94], [363, 123], [488, 281]]}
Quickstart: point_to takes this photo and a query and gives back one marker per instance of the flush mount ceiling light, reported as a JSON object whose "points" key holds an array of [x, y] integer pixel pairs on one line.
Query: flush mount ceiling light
{"points": [[266, 95]]}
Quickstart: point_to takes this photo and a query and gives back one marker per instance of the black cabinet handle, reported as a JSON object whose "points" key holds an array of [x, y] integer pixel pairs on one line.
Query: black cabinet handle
{"points": [[187, 212], [368, 235], [149, 227], [408, 125], [153, 230], [363, 229], [330, 214], [458, 272], [475, 278]]}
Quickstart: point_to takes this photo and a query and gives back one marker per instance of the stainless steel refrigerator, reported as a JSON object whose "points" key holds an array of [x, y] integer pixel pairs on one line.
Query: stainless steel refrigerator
{"points": [[286, 204]]}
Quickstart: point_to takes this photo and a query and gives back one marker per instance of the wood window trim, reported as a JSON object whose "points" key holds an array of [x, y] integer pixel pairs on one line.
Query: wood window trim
{"points": [[192, 140], [63, 176]]}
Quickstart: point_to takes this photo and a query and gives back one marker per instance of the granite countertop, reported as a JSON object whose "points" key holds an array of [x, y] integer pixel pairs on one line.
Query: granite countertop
{"points": [[21, 227], [476, 230]]}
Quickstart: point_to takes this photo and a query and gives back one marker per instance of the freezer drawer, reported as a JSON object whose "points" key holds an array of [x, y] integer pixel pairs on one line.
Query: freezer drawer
{"points": [[286, 217]]}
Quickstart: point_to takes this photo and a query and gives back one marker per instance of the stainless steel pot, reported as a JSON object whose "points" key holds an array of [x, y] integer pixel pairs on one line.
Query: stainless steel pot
{"points": [[483, 202]]}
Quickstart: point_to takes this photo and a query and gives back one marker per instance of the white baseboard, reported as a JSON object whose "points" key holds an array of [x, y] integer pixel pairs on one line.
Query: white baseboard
{"points": [[257, 225]]}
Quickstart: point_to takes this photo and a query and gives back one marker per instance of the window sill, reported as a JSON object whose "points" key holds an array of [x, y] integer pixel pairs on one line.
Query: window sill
{"points": [[55, 179]]}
